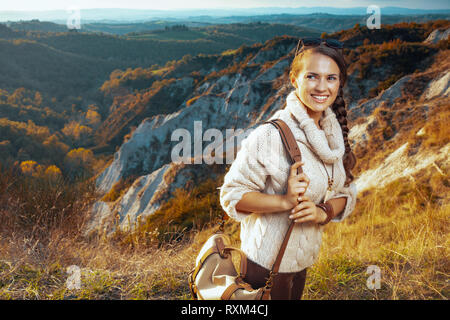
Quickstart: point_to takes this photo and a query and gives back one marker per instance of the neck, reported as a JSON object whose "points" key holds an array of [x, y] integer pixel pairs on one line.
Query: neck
{"points": [[328, 143], [316, 116]]}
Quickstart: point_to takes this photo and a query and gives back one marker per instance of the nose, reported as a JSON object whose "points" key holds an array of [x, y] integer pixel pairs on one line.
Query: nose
{"points": [[322, 85]]}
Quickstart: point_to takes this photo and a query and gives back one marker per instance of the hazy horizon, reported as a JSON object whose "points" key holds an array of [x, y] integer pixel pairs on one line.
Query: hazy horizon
{"points": [[172, 5], [91, 11]]}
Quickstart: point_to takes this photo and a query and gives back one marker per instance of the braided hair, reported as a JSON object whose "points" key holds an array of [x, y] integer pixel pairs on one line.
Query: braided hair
{"points": [[349, 160], [339, 105]]}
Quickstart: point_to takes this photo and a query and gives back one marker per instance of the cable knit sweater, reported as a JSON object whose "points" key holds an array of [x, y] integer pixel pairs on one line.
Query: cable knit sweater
{"points": [[262, 165]]}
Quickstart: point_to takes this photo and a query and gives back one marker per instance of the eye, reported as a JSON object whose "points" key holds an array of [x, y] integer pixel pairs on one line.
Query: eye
{"points": [[311, 76], [332, 78]]}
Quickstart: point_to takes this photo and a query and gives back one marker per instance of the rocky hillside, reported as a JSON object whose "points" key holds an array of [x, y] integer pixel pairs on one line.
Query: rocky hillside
{"points": [[405, 126], [395, 102]]}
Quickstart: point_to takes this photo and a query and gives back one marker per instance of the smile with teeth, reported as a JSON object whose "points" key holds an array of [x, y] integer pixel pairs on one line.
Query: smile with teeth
{"points": [[319, 98]]}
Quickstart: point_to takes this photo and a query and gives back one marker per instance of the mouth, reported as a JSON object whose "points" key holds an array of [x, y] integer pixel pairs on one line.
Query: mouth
{"points": [[319, 98]]}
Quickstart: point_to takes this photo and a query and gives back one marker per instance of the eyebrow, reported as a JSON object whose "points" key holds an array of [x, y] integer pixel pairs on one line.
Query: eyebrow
{"points": [[316, 74]]}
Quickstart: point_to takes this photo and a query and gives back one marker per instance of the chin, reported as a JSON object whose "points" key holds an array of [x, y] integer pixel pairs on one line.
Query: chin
{"points": [[319, 107]]}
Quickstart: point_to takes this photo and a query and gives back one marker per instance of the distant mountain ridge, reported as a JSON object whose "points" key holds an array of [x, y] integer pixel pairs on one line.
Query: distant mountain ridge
{"points": [[139, 15], [314, 22]]}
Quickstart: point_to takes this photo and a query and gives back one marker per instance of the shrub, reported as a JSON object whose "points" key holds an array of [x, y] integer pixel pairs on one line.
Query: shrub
{"points": [[185, 211]]}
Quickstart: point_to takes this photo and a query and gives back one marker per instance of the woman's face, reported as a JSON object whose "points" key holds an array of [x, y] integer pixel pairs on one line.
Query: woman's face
{"points": [[317, 84]]}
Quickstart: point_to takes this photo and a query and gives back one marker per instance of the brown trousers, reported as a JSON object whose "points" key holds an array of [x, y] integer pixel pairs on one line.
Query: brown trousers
{"points": [[286, 286]]}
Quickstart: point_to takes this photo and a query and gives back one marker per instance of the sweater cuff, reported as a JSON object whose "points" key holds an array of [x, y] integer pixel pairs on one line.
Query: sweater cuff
{"points": [[228, 200], [350, 193]]}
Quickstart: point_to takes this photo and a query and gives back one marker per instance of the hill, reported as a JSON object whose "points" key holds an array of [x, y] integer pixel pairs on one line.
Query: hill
{"points": [[239, 90], [374, 65], [319, 21], [65, 70], [134, 231]]}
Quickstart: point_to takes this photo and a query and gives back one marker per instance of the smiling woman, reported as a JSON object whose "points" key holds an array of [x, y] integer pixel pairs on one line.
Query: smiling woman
{"points": [[317, 84], [265, 192]]}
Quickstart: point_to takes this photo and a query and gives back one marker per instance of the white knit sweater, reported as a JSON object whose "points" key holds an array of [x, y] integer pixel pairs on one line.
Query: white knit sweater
{"points": [[262, 165]]}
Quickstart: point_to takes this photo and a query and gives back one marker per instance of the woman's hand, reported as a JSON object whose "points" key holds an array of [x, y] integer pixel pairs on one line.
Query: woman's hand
{"points": [[307, 211], [297, 184]]}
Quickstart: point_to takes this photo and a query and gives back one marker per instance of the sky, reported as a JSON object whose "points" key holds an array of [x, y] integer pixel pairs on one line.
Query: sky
{"points": [[41, 5]]}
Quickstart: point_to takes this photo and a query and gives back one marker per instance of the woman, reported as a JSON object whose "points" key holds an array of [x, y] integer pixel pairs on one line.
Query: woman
{"points": [[262, 189]]}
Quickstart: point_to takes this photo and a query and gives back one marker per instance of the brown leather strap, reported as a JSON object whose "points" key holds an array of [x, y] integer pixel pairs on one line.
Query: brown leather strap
{"points": [[222, 250], [277, 263], [232, 288], [293, 150], [209, 252], [289, 141], [243, 264], [226, 295], [220, 246], [266, 294]]}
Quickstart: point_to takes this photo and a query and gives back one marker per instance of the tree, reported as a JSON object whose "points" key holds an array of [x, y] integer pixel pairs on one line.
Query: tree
{"points": [[31, 168], [77, 132], [37, 99], [78, 162], [93, 118], [53, 172]]}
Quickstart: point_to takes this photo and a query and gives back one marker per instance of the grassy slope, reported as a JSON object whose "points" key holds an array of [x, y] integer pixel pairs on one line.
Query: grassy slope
{"points": [[406, 236]]}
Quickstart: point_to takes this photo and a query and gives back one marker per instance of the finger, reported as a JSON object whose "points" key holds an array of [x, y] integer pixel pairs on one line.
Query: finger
{"points": [[304, 214], [303, 198], [298, 208], [298, 184], [303, 177], [300, 215], [308, 218], [302, 208], [298, 187], [300, 190], [295, 166]]}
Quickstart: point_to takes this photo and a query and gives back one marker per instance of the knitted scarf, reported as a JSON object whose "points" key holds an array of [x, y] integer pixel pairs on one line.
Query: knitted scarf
{"points": [[328, 143]]}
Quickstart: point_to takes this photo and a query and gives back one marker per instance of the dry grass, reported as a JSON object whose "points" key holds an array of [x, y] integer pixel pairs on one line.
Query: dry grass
{"points": [[108, 271], [406, 237], [402, 229]]}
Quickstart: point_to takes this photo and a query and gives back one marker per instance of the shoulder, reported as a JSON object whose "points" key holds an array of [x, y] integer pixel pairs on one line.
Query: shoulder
{"points": [[262, 132], [261, 141], [267, 135], [279, 115]]}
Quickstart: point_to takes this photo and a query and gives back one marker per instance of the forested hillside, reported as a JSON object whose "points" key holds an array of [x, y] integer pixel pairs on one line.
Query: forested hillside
{"points": [[377, 59], [89, 91], [53, 83], [323, 22]]}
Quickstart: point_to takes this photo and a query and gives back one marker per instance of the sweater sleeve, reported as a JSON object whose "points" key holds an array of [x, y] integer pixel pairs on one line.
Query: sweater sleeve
{"points": [[248, 172], [350, 193]]}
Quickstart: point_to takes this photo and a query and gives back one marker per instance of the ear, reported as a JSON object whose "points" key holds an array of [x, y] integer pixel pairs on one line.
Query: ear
{"points": [[294, 82]]}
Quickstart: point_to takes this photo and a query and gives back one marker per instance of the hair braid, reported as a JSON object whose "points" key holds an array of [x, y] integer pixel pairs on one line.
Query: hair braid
{"points": [[349, 160]]}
